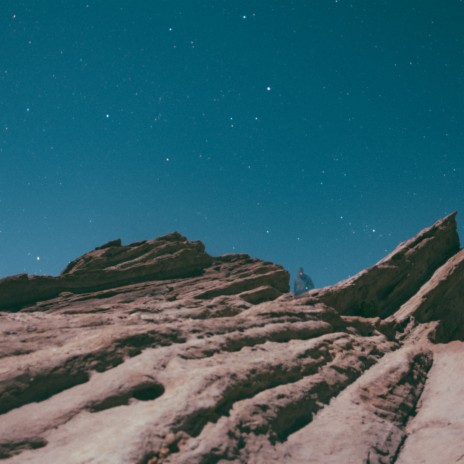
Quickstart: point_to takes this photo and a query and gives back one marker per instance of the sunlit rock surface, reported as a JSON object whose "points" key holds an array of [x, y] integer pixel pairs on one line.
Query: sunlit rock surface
{"points": [[156, 352]]}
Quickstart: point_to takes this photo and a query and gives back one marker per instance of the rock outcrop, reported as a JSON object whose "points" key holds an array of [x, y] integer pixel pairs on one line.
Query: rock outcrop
{"points": [[381, 289], [110, 265], [156, 352]]}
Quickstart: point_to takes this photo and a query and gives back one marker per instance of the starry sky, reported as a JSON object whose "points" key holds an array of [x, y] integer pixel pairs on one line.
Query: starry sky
{"points": [[314, 133]]}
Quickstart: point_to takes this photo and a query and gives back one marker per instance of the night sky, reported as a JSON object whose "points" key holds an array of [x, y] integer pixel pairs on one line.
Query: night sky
{"points": [[314, 133]]}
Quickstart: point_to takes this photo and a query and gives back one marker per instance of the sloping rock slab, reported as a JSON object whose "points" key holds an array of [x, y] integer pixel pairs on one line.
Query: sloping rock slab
{"points": [[440, 299], [383, 288]]}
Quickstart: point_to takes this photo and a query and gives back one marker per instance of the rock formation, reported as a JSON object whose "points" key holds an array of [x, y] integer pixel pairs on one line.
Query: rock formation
{"points": [[156, 352]]}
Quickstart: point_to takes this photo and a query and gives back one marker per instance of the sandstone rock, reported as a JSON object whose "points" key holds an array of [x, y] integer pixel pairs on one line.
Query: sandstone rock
{"points": [[156, 352], [366, 422], [439, 299], [381, 289], [110, 265], [435, 434]]}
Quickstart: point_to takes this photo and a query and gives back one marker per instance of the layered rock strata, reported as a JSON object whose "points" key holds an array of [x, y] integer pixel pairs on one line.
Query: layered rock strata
{"points": [[381, 289], [110, 265], [156, 352]]}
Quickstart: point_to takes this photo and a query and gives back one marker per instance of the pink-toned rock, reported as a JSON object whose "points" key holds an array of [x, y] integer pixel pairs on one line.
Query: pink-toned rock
{"points": [[383, 288], [435, 433], [440, 299], [110, 265], [156, 352]]}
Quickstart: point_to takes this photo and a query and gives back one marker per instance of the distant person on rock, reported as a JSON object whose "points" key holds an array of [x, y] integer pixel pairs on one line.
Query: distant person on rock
{"points": [[303, 283]]}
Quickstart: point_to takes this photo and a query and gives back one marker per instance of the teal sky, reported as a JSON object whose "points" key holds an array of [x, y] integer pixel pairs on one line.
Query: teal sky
{"points": [[308, 133]]}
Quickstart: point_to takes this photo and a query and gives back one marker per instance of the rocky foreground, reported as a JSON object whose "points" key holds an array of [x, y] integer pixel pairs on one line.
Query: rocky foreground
{"points": [[156, 352]]}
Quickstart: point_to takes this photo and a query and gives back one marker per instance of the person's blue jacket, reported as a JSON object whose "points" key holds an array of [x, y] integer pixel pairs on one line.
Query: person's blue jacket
{"points": [[303, 283]]}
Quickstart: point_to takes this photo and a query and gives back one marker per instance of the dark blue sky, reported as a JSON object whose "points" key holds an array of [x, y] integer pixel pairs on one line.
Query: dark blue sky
{"points": [[309, 133]]}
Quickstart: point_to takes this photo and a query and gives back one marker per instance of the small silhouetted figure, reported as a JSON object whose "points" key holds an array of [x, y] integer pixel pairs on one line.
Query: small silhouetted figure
{"points": [[303, 283]]}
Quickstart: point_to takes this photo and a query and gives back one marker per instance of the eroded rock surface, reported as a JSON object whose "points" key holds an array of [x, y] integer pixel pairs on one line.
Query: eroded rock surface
{"points": [[156, 352], [110, 265], [381, 289]]}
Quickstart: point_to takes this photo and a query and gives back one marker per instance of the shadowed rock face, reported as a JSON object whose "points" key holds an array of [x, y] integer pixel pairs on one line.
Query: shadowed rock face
{"points": [[381, 289], [156, 352]]}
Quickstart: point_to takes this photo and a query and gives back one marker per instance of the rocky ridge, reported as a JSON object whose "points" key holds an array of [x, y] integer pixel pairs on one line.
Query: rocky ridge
{"points": [[156, 352]]}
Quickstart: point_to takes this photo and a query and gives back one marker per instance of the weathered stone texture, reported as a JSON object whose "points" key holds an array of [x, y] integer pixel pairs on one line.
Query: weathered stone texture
{"points": [[156, 352], [383, 288]]}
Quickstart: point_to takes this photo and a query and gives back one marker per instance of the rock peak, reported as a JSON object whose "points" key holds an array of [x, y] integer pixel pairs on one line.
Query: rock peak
{"points": [[113, 265], [383, 288]]}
